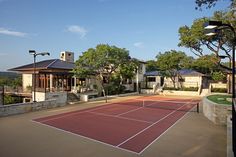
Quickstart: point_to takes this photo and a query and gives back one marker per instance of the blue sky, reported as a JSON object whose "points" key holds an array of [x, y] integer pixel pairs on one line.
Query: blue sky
{"points": [[144, 27]]}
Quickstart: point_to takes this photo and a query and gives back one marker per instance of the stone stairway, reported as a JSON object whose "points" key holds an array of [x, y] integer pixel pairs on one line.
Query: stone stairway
{"points": [[72, 98]]}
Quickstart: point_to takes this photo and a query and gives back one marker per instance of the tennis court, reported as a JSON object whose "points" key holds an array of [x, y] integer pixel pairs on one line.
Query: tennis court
{"points": [[131, 125]]}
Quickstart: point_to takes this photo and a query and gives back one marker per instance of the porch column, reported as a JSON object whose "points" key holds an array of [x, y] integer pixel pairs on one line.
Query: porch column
{"points": [[45, 83], [75, 89], [137, 80], [51, 83]]}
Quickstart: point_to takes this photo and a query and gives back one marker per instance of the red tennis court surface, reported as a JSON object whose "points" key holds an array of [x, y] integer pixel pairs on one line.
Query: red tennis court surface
{"points": [[128, 125]]}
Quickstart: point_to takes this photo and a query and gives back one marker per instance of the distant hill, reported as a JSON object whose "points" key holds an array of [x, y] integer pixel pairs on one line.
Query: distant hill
{"points": [[8, 74]]}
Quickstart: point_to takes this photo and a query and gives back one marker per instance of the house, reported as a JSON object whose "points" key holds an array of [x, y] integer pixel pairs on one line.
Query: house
{"points": [[51, 75], [56, 76], [187, 78]]}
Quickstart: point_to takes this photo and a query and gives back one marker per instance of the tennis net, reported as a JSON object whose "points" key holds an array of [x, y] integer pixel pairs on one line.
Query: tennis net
{"points": [[186, 106]]}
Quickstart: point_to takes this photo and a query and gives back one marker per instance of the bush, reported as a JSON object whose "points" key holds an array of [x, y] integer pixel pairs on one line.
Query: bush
{"points": [[114, 89], [218, 76], [189, 89], [219, 90], [170, 88], [11, 100], [182, 89]]}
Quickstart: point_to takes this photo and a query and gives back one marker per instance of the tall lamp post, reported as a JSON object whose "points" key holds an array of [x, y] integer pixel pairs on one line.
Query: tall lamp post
{"points": [[213, 28], [35, 54]]}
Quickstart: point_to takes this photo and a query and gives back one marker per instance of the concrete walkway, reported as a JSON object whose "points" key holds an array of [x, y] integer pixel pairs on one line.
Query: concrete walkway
{"points": [[193, 136]]}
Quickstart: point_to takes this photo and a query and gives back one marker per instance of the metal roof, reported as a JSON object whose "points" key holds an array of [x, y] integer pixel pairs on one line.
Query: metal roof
{"points": [[183, 72], [46, 64], [152, 73]]}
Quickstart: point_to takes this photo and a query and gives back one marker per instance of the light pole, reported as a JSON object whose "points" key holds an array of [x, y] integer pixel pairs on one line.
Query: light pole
{"points": [[34, 53], [213, 28]]}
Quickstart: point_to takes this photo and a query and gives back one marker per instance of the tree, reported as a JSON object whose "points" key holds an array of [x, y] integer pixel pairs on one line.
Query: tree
{"points": [[170, 62], [210, 3], [205, 64], [218, 76], [101, 62], [193, 37], [151, 65], [125, 72]]}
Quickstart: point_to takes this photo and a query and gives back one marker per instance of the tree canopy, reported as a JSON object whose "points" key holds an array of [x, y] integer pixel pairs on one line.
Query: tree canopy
{"points": [[205, 64], [170, 62], [151, 65], [193, 37], [210, 3], [102, 62]]}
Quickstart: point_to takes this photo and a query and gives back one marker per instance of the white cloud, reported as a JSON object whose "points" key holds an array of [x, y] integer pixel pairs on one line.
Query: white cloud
{"points": [[12, 33], [78, 30], [139, 44]]}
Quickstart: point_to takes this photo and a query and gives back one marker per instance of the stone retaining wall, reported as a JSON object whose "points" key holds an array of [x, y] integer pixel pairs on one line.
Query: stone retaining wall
{"points": [[147, 91], [13, 109], [185, 93], [217, 113]]}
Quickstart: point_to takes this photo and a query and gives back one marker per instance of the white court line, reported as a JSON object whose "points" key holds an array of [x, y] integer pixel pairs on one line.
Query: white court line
{"points": [[148, 127], [129, 111], [165, 131], [91, 139], [67, 114], [117, 147], [131, 119], [138, 108]]}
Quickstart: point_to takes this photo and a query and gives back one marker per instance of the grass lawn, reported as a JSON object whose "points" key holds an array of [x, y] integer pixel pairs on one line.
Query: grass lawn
{"points": [[220, 99]]}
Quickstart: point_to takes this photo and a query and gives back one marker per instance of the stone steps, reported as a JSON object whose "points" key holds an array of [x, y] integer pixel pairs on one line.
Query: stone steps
{"points": [[72, 98]]}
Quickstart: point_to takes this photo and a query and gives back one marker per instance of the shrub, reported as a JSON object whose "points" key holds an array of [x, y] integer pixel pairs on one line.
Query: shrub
{"points": [[219, 90], [11, 100], [189, 89], [170, 88], [182, 89], [218, 76]]}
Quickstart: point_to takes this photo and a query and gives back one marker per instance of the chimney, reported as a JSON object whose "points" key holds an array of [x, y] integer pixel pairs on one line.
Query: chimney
{"points": [[67, 56]]}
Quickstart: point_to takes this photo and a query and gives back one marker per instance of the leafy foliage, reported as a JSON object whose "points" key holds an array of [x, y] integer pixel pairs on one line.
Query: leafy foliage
{"points": [[193, 37], [218, 76], [205, 64], [171, 62], [151, 65], [210, 3], [103, 62], [11, 100], [12, 82]]}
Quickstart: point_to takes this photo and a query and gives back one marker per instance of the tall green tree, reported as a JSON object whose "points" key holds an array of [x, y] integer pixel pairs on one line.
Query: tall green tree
{"points": [[151, 65], [170, 62], [193, 37], [205, 64], [101, 62], [210, 3]]}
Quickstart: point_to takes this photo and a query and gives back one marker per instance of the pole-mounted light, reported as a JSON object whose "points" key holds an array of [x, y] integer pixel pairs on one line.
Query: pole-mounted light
{"points": [[34, 53], [213, 28]]}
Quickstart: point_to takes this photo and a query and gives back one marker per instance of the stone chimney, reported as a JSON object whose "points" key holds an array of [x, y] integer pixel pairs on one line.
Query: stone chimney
{"points": [[67, 56]]}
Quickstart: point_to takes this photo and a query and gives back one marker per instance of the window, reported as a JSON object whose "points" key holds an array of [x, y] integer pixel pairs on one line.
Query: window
{"points": [[151, 79]]}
